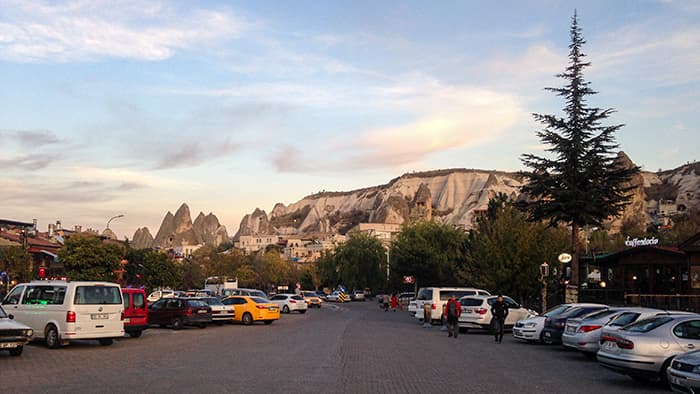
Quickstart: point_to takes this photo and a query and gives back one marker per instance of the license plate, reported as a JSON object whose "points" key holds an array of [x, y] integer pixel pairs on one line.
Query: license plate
{"points": [[272, 308], [201, 311], [99, 316], [609, 345], [7, 345]]}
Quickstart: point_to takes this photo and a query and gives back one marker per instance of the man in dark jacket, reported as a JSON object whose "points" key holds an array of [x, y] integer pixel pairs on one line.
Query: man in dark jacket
{"points": [[453, 310], [499, 311]]}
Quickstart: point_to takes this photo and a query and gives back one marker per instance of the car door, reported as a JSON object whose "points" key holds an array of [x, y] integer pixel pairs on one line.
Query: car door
{"points": [[155, 312], [515, 311], [687, 334]]}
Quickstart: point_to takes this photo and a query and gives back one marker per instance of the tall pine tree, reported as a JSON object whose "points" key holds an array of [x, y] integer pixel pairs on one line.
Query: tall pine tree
{"points": [[580, 182]]}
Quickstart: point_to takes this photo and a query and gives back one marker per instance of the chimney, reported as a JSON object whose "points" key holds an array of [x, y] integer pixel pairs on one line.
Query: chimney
{"points": [[52, 227], [78, 229], [35, 222], [58, 225]]}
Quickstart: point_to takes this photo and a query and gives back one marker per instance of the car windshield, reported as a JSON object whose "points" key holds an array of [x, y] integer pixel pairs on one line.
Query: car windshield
{"points": [[259, 300], [91, 295], [309, 294], [197, 303], [599, 314], [470, 302], [647, 325], [624, 319], [258, 293], [212, 301], [297, 297], [556, 310], [447, 294]]}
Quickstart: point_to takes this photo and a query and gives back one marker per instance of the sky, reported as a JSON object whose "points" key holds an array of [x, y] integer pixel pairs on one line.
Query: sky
{"points": [[134, 107]]}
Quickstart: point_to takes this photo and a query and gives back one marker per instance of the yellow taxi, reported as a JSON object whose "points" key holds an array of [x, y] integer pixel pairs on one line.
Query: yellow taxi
{"points": [[250, 309], [312, 299]]}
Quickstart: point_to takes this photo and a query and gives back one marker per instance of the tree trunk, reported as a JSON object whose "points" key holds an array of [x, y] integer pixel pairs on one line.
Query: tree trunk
{"points": [[575, 248]]}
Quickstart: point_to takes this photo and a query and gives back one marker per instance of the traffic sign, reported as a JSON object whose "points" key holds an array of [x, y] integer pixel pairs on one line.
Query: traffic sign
{"points": [[408, 280]]}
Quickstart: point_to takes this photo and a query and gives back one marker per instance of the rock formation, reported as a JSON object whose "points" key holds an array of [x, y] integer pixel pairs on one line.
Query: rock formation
{"points": [[142, 239], [177, 230]]}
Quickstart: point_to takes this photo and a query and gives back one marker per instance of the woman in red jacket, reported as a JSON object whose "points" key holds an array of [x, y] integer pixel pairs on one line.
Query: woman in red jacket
{"points": [[394, 302]]}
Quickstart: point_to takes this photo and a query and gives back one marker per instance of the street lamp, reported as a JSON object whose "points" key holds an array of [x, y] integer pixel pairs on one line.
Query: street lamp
{"points": [[112, 218], [544, 273]]}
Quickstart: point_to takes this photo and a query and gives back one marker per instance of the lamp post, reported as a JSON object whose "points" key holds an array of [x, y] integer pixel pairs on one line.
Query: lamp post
{"points": [[544, 273], [112, 218]]}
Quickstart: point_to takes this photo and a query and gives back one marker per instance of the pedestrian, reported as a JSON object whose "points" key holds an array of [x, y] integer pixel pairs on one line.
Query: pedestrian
{"points": [[385, 298], [499, 311], [453, 310], [394, 302]]}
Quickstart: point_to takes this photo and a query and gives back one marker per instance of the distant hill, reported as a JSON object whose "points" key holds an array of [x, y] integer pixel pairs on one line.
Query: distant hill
{"points": [[454, 196]]}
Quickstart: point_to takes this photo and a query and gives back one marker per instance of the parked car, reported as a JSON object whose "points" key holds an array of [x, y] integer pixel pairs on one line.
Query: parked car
{"points": [[244, 292], [13, 335], [437, 297], [684, 373], [252, 309], [312, 299], [135, 314], [644, 349], [584, 333], [220, 313], [290, 303], [163, 293], [357, 295], [530, 329], [179, 312], [333, 297], [476, 312], [59, 311], [554, 325]]}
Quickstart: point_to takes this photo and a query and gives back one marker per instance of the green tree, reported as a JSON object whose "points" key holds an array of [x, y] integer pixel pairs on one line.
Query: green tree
{"points": [[328, 269], [361, 262], [16, 261], [88, 258], [151, 268], [581, 182], [506, 250], [429, 251], [191, 275]]}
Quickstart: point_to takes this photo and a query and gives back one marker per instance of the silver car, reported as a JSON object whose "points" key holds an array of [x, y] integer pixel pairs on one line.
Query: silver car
{"points": [[583, 333], [644, 349], [684, 373]]}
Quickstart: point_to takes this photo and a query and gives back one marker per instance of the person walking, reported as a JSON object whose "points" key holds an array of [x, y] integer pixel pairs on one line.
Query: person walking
{"points": [[499, 311], [385, 299], [453, 310], [394, 302]]}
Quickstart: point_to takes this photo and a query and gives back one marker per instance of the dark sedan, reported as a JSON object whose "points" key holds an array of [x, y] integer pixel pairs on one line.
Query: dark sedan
{"points": [[179, 312], [554, 326]]}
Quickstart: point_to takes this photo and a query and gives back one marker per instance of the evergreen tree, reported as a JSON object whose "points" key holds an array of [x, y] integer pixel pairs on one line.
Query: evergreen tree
{"points": [[580, 183]]}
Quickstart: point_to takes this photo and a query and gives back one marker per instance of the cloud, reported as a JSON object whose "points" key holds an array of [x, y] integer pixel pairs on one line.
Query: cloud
{"points": [[438, 117], [27, 162], [39, 31], [192, 153]]}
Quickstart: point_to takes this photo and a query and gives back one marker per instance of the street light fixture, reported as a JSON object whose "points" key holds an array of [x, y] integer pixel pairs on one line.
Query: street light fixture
{"points": [[112, 218]]}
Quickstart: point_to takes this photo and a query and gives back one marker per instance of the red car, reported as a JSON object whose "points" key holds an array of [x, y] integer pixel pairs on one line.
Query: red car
{"points": [[135, 314]]}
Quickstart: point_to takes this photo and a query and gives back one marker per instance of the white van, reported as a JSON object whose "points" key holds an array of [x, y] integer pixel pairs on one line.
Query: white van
{"points": [[60, 311], [436, 297]]}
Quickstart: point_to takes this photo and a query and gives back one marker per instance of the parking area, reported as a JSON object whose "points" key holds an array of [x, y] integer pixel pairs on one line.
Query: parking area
{"points": [[351, 347]]}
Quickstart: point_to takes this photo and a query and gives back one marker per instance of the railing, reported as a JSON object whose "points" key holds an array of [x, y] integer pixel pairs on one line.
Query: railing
{"points": [[679, 302]]}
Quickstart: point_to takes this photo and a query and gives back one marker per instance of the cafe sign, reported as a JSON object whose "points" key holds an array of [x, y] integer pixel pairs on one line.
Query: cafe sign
{"points": [[634, 242]]}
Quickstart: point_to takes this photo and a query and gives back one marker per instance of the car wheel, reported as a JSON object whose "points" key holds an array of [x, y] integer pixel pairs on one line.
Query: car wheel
{"points": [[285, 309], [268, 322], [16, 351], [542, 338], [135, 334], [247, 319], [663, 378], [177, 323], [53, 340], [106, 341], [302, 311]]}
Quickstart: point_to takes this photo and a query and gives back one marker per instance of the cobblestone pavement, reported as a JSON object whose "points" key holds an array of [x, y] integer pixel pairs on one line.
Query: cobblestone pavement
{"points": [[344, 348]]}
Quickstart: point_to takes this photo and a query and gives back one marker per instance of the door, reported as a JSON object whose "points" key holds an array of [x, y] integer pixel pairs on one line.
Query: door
{"points": [[156, 312], [515, 311], [687, 334]]}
